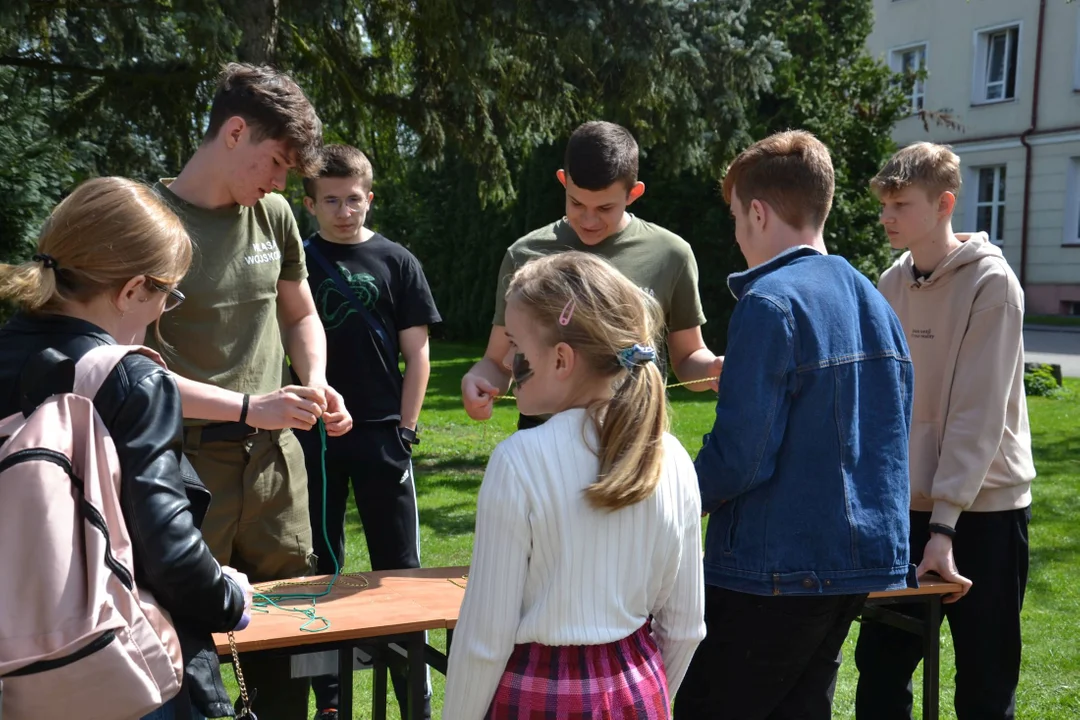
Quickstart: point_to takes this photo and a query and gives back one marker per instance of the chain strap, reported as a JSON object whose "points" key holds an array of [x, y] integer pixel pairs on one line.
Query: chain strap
{"points": [[239, 674]]}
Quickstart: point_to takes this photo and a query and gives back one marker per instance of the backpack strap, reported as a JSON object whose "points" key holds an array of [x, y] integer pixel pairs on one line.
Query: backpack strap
{"points": [[53, 372], [48, 373], [93, 367]]}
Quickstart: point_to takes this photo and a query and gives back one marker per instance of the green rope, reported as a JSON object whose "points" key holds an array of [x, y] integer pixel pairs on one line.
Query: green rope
{"points": [[262, 602]]}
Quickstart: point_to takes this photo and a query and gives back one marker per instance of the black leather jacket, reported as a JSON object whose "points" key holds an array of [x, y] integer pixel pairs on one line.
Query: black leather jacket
{"points": [[162, 498]]}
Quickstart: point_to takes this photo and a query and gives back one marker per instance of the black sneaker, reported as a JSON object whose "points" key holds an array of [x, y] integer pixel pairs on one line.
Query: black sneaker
{"points": [[329, 714]]}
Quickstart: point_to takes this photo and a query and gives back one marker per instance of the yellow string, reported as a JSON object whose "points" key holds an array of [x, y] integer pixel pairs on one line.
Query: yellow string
{"points": [[691, 382], [667, 387]]}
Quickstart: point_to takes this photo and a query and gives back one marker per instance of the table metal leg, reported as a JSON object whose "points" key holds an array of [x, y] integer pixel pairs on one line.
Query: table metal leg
{"points": [[378, 696], [345, 678], [417, 675], [932, 659]]}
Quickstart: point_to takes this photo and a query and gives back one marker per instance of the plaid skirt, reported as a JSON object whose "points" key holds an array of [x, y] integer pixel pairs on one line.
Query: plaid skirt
{"points": [[622, 680]]}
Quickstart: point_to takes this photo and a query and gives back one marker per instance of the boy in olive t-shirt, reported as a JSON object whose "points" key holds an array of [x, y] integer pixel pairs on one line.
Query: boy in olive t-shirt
{"points": [[660, 262], [600, 177], [247, 303], [231, 293]]}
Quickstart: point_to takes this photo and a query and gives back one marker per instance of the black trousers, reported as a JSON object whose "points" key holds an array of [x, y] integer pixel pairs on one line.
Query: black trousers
{"points": [[991, 549], [767, 656], [378, 466]]}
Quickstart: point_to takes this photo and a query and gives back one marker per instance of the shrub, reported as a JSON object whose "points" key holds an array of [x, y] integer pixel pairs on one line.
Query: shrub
{"points": [[1039, 381]]}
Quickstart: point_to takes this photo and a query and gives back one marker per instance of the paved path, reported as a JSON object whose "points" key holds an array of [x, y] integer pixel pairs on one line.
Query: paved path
{"points": [[1058, 347]]}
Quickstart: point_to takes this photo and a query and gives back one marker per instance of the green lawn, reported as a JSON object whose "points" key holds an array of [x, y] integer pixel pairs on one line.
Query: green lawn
{"points": [[1053, 320], [450, 465]]}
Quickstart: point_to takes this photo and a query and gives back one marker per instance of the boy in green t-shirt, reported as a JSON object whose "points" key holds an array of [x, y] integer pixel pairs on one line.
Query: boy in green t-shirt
{"points": [[247, 302], [600, 177]]}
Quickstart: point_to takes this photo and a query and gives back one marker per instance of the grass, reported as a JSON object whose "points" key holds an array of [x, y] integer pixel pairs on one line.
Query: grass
{"points": [[1053, 320], [450, 464]]}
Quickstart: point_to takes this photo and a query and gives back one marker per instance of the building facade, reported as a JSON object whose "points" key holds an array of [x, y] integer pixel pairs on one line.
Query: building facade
{"points": [[1002, 87]]}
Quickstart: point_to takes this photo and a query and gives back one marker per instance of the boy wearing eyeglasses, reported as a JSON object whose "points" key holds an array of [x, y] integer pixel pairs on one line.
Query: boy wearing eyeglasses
{"points": [[375, 305]]}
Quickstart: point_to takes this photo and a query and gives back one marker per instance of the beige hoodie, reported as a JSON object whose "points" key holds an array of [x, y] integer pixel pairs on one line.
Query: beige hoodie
{"points": [[970, 447]]}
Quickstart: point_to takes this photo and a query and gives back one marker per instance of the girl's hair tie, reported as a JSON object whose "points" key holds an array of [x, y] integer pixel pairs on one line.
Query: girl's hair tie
{"points": [[47, 260], [636, 355]]}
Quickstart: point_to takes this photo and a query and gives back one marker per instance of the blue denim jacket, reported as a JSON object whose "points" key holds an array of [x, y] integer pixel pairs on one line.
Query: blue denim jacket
{"points": [[805, 472]]}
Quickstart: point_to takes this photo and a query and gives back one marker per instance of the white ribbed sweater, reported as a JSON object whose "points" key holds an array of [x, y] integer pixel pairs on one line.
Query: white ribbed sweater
{"points": [[548, 568]]}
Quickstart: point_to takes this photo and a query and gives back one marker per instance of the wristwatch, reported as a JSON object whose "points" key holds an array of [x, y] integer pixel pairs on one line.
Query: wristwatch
{"points": [[409, 436]]}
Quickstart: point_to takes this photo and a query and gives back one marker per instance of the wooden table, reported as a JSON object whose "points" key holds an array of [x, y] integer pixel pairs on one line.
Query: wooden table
{"points": [[930, 592], [401, 605], [393, 606]]}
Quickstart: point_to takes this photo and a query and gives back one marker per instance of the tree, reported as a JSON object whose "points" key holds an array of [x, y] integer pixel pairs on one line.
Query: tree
{"points": [[487, 77], [822, 81], [33, 168], [827, 84], [830, 86], [476, 85], [464, 106]]}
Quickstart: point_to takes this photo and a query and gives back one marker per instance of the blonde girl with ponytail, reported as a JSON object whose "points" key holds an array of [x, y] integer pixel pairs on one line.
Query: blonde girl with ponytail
{"points": [[585, 591]]}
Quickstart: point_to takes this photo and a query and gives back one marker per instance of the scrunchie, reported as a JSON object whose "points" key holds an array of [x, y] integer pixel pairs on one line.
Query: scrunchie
{"points": [[47, 260], [636, 355]]}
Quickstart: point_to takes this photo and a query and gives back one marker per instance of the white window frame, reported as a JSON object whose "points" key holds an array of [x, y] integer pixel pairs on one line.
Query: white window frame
{"points": [[997, 216], [1071, 233], [916, 95], [981, 41]]}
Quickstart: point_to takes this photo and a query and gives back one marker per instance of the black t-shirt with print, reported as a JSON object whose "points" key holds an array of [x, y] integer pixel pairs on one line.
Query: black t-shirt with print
{"points": [[390, 282]]}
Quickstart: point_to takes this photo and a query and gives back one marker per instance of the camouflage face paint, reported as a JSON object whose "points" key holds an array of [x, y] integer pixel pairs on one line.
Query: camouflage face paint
{"points": [[521, 369]]}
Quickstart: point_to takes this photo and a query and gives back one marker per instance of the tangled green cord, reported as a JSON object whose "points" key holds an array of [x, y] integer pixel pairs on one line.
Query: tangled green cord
{"points": [[262, 602]]}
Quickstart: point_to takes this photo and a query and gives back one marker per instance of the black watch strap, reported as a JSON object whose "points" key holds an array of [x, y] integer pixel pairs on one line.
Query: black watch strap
{"points": [[409, 435], [942, 530]]}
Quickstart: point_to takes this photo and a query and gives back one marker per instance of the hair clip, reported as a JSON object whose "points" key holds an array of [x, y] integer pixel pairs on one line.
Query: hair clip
{"points": [[635, 356], [567, 312]]}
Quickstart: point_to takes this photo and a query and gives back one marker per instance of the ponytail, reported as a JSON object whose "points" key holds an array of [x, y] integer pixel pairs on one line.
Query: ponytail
{"points": [[631, 435], [31, 285]]}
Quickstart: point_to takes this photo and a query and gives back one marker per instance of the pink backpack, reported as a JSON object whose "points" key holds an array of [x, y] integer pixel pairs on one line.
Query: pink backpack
{"points": [[78, 639]]}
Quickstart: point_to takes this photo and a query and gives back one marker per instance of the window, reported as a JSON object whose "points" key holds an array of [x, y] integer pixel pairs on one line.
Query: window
{"points": [[990, 203], [1072, 204], [909, 62], [996, 53]]}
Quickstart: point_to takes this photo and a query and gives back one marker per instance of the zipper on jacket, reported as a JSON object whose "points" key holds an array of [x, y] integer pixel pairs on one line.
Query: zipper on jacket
{"points": [[96, 645], [89, 512]]}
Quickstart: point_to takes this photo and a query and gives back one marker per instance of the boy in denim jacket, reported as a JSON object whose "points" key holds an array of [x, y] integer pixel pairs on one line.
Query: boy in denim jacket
{"points": [[806, 469]]}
